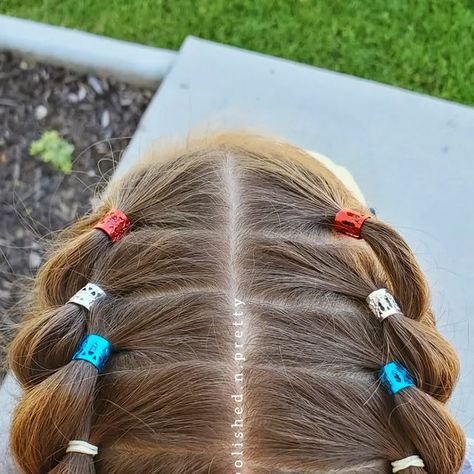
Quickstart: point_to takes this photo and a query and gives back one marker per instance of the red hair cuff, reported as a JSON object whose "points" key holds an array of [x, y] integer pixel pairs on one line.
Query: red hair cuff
{"points": [[115, 223], [350, 222]]}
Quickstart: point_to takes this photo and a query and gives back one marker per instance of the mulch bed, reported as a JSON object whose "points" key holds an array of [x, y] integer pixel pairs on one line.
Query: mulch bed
{"points": [[97, 115]]}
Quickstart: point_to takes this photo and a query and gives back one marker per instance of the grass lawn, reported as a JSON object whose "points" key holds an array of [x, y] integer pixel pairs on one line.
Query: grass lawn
{"points": [[424, 45]]}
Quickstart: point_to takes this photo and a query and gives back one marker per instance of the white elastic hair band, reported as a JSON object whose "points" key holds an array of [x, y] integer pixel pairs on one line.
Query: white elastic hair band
{"points": [[410, 461], [83, 447], [382, 304]]}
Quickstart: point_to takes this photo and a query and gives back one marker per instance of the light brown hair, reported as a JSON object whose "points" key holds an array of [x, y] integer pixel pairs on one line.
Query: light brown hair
{"points": [[235, 218]]}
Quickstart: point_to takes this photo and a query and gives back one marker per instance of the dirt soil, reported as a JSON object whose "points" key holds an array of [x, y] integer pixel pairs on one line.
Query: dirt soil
{"points": [[97, 115]]}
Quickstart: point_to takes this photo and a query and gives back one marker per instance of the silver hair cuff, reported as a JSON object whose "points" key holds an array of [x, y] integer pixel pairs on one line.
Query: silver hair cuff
{"points": [[86, 296], [382, 304]]}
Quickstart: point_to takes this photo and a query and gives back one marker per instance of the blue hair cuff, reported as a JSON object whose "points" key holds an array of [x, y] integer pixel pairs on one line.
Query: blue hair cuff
{"points": [[395, 377], [94, 349]]}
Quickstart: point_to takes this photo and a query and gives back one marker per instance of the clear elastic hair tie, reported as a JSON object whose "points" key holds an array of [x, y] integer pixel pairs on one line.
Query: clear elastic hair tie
{"points": [[405, 463], [83, 447]]}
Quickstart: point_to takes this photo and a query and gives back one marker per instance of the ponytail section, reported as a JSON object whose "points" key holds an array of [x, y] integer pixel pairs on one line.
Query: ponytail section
{"points": [[411, 338], [431, 429], [56, 415], [410, 333], [57, 410], [31, 356], [420, 347], [396, 257], [46, 343], [70, 265], [429, 357], [409, 286]]}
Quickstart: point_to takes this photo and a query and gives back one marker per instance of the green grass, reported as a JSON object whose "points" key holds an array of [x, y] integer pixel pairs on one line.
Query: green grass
{"points": [[422, 45]]}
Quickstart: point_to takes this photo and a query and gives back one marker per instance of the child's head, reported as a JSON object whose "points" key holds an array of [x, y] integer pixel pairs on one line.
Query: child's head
{"points": [[240, 329]]}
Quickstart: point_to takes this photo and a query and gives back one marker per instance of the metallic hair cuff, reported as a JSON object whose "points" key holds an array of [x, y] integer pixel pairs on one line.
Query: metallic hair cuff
{"points": [[382, 304], [350, 222], [114, 224], [86, 296], [94, 349], [395, 377]]}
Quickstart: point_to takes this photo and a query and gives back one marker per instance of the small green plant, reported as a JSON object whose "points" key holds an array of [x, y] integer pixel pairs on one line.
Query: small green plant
{"points": [[53, 149]]}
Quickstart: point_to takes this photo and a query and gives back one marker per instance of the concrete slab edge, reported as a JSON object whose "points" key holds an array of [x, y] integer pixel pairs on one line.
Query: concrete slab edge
{"points": [[86, 52]]}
